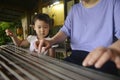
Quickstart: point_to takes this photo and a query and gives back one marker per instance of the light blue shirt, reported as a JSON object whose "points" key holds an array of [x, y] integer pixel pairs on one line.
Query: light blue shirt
{"points": [[89, 28]]}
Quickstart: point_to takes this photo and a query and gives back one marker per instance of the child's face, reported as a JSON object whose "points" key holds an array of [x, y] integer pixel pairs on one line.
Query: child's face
{"points": [[41, 28]]}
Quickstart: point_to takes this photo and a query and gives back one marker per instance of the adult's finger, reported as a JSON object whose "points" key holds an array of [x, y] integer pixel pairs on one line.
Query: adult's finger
{"points": [[103, 59], [36, 44], [47, 46], [41, 43], [117, 61], [86, 60], [93, 57]]}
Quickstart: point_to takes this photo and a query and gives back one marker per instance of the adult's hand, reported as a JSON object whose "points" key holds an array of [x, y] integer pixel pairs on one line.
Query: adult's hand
{"points": [[101, 55], [42, 43]]}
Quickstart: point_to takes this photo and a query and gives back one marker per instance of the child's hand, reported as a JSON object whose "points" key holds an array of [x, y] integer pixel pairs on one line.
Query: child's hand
{"points": [[9, 33]]}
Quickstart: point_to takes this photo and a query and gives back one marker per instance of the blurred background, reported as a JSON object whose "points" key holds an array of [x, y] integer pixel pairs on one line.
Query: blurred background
{"points": [[17, 15]]}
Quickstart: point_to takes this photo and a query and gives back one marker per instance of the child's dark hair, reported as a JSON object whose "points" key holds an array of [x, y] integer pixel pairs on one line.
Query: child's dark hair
{"points": [[42, 16]]}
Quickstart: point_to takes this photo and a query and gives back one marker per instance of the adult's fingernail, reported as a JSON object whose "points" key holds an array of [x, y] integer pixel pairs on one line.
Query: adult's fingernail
{"points": [[84, 64], [97, 66]]}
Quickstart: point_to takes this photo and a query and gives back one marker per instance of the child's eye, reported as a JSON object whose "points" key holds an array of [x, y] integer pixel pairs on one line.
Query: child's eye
{"points": [[39, 27], [45, 27]]}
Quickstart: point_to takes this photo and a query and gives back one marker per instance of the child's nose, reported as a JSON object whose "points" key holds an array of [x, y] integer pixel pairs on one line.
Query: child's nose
{"points": [[42, 29]]}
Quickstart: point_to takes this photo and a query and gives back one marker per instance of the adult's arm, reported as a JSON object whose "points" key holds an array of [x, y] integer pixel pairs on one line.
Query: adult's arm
{"points": [[59, 37]]}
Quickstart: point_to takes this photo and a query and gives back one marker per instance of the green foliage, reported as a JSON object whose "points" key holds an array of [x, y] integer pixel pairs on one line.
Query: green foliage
{"points": [[3, 26]]}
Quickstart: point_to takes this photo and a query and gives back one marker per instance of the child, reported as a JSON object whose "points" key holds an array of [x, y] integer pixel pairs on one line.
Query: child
{"points": [[41, 24]]}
